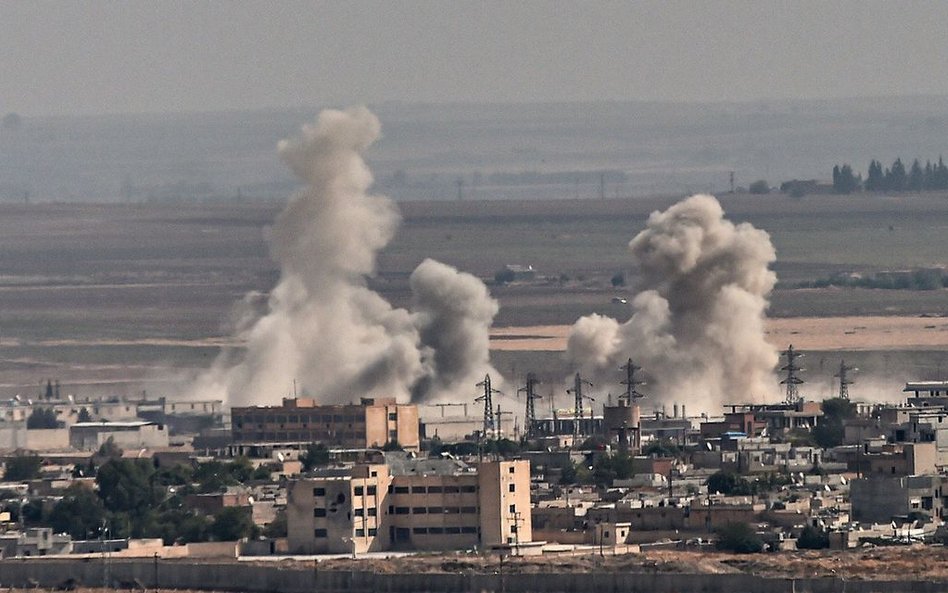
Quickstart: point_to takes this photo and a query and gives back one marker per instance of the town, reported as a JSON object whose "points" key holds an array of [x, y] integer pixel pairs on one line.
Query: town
{"points": [[154, 477]]}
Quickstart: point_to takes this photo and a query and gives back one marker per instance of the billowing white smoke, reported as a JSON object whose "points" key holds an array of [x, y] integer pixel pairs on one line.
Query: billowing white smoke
{"points": [[698, 321], [323, 327]]}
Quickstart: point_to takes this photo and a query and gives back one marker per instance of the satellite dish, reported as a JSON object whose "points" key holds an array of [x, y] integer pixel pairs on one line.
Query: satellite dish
{"points": [[842, 480], [281, 457], [827, 487], [250, 499]]}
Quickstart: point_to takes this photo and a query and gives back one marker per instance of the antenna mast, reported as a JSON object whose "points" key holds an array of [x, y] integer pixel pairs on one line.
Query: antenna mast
{"points": [[844, 380], [530, 417], [791, 381], [578, 398]]}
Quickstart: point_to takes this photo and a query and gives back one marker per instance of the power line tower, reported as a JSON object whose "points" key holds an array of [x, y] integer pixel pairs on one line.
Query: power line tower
{"points": [[791, 380], [578, 397], [631, 393], [844, 380], [490, 419], [529, 390]]}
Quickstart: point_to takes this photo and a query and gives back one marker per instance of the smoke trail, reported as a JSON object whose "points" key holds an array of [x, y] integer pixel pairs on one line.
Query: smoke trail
{"points": [[453, 312], [697, 323], [323, 327]]}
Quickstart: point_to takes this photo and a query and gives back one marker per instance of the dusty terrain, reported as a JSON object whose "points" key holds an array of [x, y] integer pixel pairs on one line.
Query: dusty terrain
{"points": [[805, 333]]}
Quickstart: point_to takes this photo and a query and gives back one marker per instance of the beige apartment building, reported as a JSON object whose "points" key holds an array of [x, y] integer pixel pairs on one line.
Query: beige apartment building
{"points": [[410, 504], [369, 424]]}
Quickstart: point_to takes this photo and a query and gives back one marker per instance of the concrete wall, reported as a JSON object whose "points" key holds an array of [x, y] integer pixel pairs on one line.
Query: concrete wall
{"points": [[254, 578]]}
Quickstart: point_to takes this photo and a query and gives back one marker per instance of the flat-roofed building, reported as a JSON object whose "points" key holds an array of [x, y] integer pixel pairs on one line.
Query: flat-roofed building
{"points": [[369, 424], [89, 436], [410, 504]]}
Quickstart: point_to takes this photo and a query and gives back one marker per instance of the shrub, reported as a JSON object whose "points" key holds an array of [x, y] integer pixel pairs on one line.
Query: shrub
{"points": [[759, 187], [739, 538]]}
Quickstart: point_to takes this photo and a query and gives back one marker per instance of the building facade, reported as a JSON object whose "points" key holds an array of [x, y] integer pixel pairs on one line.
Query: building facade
{"points": [[410, 505], [370, 424]]}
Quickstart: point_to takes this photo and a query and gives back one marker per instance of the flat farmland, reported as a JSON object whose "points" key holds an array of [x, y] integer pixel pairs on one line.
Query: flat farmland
{"points": [[118, 298]]}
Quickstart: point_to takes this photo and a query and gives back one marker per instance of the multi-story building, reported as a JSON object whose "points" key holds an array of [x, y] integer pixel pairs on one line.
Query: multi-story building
{"points": [[370, 424], [410, 504]]}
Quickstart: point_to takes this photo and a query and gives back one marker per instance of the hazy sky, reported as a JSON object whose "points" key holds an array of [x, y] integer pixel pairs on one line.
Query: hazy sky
{"points": [[107, 57]]}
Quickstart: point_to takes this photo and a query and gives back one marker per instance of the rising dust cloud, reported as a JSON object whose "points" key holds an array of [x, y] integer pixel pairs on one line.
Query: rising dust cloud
{"points": [[697, 325], [322, 326]]}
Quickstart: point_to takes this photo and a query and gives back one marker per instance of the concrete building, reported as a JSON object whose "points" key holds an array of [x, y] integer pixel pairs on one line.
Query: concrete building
{"points": [[410, 504], [89, 436], [880, 499], [370, 424]]}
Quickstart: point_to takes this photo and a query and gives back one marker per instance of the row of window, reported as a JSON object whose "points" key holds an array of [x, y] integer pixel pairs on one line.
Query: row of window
{"points": [[300, 437], [441, 530], [297, 418], [393, 510], [372, 490]]}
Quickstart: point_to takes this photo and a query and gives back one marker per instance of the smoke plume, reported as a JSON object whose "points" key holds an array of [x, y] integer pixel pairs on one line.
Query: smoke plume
{"points": [[323, 327], [697, 322]]}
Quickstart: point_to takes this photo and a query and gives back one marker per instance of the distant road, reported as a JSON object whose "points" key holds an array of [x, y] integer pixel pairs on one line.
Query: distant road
{"points": [[805, 333]]}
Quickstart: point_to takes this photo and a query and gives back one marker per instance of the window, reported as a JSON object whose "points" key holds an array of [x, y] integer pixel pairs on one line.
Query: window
{"points": [[319, 512], [468, 510], [512, 488], [435, 530], [419, 530], [358, 512], [511, 469], [360, 532], [435, 489], [391, 489], [321, 533], [392, 416], [319, 492], [401, 510], [418, 489], [371, 489], [358, 490], [372, 511], [373, 531], [469, 530], [452, 510], [393, 435], [452, 530], [451, 489], [435, 510], [419, 510], [513, 509], [468, 489], [401, 489]]}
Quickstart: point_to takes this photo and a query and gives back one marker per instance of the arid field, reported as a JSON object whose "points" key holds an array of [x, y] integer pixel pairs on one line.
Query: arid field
{"points": [[122, 298]]}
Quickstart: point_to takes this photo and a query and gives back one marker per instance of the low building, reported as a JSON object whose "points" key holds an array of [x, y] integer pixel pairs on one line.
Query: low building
{"points": [[89, 436], [880, 499], [410, 504], [298, 422]]}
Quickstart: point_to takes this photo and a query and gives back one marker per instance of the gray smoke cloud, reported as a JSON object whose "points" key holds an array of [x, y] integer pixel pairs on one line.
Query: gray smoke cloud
{"points": [[697, 324], [323, 327], [453, 312]]}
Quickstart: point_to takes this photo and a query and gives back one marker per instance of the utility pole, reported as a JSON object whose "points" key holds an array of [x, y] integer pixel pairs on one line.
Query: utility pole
{"points": [[490, 420], [631, 393], [530, 415], [578, 397], [844, 380], [791, 380]]}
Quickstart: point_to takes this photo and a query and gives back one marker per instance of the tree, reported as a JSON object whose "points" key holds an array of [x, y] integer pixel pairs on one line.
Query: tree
{"points": [[317, 455], [759, 187], [80, 513], [844, 182], [729, 483], [232, 523], [126, 485], [829, 432], [84, 415], [875, 178], [504, 276], [618, 279], [916, 177], [22, 468], [739, 538], [661, 448], [42, 418], [895, 178], [109, 450], [813, 538]]}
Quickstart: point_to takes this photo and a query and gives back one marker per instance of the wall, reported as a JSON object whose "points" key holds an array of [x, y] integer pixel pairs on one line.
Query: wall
{"points": [[254, 578]]}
